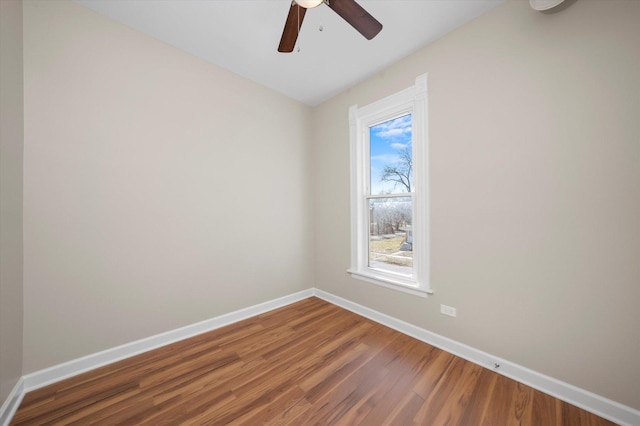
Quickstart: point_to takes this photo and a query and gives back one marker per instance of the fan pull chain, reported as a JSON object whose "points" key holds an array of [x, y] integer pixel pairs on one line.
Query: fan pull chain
{"points": [[298, 27]]}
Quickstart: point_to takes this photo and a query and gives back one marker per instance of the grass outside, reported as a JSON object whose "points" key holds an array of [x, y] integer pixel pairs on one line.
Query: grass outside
{"points": [[387, 250]]}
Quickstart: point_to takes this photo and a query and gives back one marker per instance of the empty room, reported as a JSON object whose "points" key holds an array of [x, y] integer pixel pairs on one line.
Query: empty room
{"points": [[320, 212]]}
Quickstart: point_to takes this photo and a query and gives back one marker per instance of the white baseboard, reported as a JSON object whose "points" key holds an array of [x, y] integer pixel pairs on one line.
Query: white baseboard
{"points": [[11, 404], [74, 367], [584, 399]]}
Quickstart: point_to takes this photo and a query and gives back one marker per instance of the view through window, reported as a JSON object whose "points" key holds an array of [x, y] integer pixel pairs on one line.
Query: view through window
{"points": [[390, 196]]}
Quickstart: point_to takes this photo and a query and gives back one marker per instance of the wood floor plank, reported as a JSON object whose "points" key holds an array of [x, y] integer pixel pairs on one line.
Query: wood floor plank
{"points": [[307, 363], [337, 398], [438, 365], [521, 407], [400, 360], [449, 400], [499, 409], [269, 412], [405, 412], [481, 399]]}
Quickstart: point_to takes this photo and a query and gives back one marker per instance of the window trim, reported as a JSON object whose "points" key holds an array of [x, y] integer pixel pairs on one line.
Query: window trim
{"points": [[412, 100]]}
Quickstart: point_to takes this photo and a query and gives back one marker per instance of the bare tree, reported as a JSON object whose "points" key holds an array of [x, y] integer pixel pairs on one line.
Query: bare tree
{"points": [[400, 174], [389, 215]]}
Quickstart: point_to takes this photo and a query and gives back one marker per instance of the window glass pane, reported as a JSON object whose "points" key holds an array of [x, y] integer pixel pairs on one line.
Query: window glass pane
{"points": [[391, 162], [390, 235]]}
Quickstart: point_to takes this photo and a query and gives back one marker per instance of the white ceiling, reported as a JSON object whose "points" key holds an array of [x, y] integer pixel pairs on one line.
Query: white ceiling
{"points": [[243, 35]]}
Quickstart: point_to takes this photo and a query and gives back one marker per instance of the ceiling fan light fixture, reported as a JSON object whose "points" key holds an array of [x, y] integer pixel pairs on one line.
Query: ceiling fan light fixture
{"points": [[308, 4], [542, 5]]}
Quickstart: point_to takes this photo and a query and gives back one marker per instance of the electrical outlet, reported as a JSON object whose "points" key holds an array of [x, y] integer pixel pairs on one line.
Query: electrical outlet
{"points": [[448, 310]]}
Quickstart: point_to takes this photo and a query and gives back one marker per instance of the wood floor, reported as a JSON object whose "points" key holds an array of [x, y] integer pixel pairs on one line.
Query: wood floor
{"points": [[305, 364]]}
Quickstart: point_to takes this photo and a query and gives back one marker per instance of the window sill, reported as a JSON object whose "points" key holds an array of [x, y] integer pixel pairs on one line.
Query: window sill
{"points": [[389, 283]]}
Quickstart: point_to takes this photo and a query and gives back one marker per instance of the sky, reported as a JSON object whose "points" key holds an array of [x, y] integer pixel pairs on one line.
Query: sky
{"points": [[386, 141]]}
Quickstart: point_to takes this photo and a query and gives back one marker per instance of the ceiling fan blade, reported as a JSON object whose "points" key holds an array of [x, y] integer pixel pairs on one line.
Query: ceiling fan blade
{"points": [[291, 28], [357, 17]]}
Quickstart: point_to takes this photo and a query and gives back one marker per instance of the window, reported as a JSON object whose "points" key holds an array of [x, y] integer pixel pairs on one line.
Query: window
{"points": [[389, 190]]}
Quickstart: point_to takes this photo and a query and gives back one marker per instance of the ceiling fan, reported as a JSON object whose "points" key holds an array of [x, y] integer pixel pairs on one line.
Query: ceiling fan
{"points": [[348, 10]]}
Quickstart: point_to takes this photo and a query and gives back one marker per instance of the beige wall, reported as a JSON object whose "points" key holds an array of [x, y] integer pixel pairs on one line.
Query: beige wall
{"points": [[159, 190], [535, 195], [11, 147]]}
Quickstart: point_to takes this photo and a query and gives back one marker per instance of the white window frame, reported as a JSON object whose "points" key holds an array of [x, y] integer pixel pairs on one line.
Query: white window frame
{"points": [[412, 100]]}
